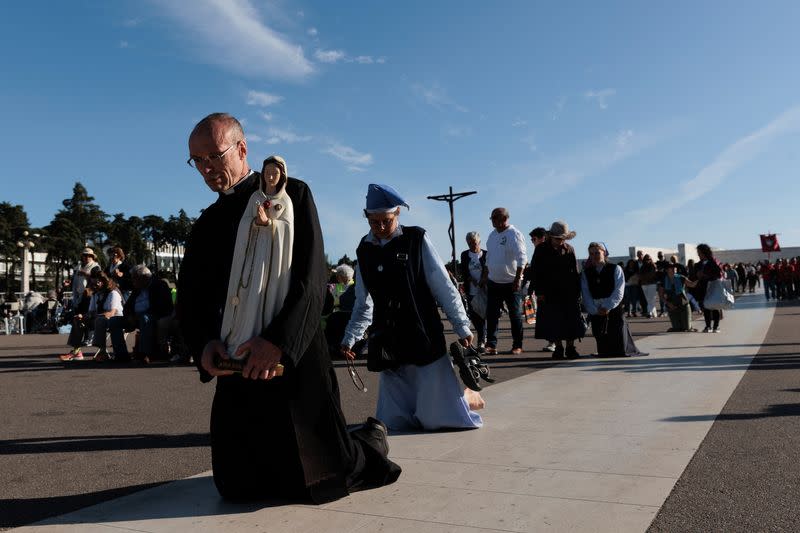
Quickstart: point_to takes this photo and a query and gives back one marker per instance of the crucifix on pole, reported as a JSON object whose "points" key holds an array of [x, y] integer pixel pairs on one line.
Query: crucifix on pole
{"points": [[451, 198]]}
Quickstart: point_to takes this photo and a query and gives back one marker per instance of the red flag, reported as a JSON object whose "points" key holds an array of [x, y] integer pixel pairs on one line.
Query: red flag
{"points": [[769, 243]]}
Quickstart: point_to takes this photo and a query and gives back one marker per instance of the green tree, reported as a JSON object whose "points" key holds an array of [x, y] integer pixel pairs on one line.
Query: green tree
{"points": [[63, 242], [86, 215], [176, 233], [13, 222], [170, 236], [344, 260], [127, 235], [153, 231]]}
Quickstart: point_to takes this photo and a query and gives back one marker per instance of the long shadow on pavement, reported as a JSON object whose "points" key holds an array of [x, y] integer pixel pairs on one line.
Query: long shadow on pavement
{"points": [[21, 511], [777, 361], [93, 443], [781, 409]]}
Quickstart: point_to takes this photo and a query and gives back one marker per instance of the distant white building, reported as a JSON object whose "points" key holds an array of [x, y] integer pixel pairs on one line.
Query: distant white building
{"points": [[164, 260]]}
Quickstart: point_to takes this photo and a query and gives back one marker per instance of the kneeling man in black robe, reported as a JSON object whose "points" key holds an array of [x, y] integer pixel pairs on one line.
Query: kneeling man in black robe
{"points": [[251, 288]]}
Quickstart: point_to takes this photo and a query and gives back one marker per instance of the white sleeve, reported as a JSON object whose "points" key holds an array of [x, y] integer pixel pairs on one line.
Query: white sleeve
{"points": [[615, 298], [362, 312], [521, 249], [443, 290], [588, 301], [114, 303]]}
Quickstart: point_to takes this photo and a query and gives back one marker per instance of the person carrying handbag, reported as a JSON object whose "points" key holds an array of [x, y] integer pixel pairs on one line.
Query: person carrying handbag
{"points": [[708, 270], [673, 291]]}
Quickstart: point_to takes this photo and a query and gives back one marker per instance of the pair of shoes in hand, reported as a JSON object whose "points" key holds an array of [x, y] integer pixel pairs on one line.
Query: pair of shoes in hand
{"points": [[471, 367]]}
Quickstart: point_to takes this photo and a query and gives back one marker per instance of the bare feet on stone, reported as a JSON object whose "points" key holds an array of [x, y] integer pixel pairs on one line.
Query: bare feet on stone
{"points": [[474, 400]]}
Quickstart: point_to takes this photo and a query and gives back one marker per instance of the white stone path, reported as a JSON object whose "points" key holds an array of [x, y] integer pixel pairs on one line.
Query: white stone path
{"points": [[590, 445]]}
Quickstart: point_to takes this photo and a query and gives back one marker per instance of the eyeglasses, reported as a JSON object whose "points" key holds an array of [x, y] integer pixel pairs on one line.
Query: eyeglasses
{"points": [[197, 161], [380, 223], [357, 381]]}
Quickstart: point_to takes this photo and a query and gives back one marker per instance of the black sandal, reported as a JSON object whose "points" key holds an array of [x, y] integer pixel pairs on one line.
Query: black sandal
{"points": [[471, 367]]}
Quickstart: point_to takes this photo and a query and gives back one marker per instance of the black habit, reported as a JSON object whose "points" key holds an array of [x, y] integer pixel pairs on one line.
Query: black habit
{"points": [[286, 437], [556, 278], [611, 331]]}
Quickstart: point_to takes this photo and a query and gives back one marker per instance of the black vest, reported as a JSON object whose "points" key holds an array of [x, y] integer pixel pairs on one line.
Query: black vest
{"points": [[405, 312], [601, 284]]}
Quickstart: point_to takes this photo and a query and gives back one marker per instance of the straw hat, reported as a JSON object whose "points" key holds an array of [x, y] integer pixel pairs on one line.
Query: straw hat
{"points": [[560, 230]]}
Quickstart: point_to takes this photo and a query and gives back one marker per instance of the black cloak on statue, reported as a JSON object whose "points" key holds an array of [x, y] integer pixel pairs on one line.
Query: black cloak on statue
{"points": [[286, 437]]}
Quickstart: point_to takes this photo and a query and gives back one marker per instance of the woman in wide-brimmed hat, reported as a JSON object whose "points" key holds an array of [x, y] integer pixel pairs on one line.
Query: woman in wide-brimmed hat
{"points": [[557, 286], [80, 279]]}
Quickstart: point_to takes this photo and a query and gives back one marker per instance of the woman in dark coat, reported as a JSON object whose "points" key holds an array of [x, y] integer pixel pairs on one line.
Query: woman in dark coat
{"points": [[283, 437], [708, 269], [557, 286]]}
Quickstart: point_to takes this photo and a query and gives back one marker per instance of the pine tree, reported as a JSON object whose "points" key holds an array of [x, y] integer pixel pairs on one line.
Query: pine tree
{"points": [[63, 243], [86, 215], [153, 230], [13, 221], [127, 235]]}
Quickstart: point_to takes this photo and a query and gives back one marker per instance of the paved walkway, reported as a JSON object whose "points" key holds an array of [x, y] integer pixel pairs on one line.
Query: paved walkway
{"points": [[589, 445]]}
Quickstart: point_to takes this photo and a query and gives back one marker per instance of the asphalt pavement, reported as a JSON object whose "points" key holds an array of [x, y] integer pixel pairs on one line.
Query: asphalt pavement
{"points": [[75, 434], [744, 477]]}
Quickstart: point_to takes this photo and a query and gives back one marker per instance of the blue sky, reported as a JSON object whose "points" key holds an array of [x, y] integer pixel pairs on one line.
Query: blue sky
{"points": [[637, 123]]}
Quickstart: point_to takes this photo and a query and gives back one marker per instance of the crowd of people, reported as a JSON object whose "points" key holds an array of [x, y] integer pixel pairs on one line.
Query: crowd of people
{"points": [[107, 304], [264, 316]]}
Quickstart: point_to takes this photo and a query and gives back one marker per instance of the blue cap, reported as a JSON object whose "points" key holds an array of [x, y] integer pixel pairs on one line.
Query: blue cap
{"points": [[382, 198]]}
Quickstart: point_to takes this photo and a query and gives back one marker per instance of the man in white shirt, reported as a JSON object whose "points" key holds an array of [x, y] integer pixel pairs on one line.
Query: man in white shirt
{"points": [[505, 259]]}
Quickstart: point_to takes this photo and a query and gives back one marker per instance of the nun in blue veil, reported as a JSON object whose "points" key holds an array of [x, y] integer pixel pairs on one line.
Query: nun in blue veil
{"points": [[400, 284]]}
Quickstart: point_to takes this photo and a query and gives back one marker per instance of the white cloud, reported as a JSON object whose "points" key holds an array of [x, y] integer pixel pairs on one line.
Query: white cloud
{"points": [[726, 162], [356, 160], [624, 138], [559, 107], [435, 95], [555, 175], [519, 123], [266, 116], [301, 14], [277, 135], [246, 46], [457, 131], [262, 99], [254, 138], [336, 56], [329, 56], [132, 22], [124, 44], [313, 32], [368, 60], [530, 142], [600, 97]]}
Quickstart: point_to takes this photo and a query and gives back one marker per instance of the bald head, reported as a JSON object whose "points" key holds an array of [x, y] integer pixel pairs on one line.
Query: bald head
{"points": [[218, 150], [219, 123]]}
